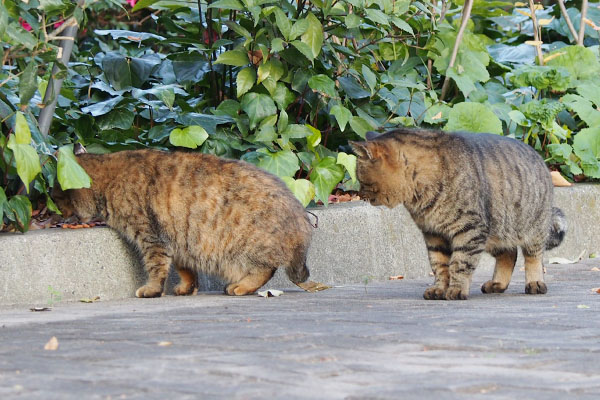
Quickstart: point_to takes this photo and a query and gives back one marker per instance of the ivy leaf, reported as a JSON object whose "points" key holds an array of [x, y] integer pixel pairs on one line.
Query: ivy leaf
{"points": [[283, 23], [313, 36], [325, 176], [70, 174], [324, 84], [314, 138], [125, 72], [360, 126], [349, 162], [190, 137], [341, 114], [473, 117], [233, 57], [282, 122], [245, 80], [28, 83], [18, 209], [257, 106], [282, 163], [22, 131], [27, 160], [120, 118], [303, 189], [167, 96]]}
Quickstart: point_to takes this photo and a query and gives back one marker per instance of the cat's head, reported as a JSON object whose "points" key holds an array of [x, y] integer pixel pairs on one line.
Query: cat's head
{"points": [[74, 202], [377, 170]]}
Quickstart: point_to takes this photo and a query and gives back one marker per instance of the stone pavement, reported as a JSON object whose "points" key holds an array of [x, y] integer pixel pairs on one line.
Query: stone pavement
{"points": [[376, 341]]}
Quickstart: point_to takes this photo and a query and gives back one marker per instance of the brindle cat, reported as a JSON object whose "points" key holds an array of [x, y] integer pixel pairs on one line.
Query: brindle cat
{"points": [[201, 213], [468, 193]]}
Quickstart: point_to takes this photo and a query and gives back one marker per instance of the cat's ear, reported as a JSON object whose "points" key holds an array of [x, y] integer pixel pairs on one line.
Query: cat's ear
{"points": [[361, 149], [79, 149], [370, 135]]}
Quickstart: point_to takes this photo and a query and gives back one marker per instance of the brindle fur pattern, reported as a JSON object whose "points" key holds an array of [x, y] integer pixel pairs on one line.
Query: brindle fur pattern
{"points": [[197, 212], [468, 193]]}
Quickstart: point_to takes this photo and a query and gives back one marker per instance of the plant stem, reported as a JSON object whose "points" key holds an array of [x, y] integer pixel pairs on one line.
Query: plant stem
{"points": [[536, 33], [466, 14], [584, 8], [563, 11]]}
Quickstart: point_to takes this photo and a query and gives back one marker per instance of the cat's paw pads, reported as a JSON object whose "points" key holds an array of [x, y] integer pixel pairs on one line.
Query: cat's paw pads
{"points": [[492, 287], [455, 293], [184, 289], [434, 293], [148, 291], [235, 289], [536, 287]]}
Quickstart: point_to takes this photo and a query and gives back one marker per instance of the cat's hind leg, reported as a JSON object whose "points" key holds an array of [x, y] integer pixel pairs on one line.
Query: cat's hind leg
{"points": [[505, 264], [187, 281], [250, 283], [438, 250], [534, 271]]}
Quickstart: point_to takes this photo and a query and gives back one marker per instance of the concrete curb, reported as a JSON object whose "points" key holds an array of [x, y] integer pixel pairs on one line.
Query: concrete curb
{"points": [[354, 243]]}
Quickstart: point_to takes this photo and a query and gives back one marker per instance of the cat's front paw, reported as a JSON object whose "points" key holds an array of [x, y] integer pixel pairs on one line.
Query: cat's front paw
{"points": [[455, 293], [536, 287], [148, 291], [235, 289], [184, 289], [492, 287], [434, 293]]}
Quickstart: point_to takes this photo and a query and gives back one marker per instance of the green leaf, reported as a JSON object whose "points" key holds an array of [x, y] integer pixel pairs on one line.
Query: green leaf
{"points": [[303, 189], [227, 5], [28, 162], [377, 16], [298, 28], [283, 23], [257, 106], [240, 30], [124, 72], [588, 138], [341, 114], [283, 163], [297, 131], [584, 109], [581, 62], [360, 126], [349, 162], [282, 122], [190, 137], [70, 174], [245, 80], [167, 96], [276, 45], [473, 117], [324, 84], [283, 96], [143, 4], [325, 176], [313, 36], [314, 138], [28, 83], [18, 209], [370, 78], [119, 118], [2, 204], [304, 49], [352, 21], [401, 24], [590, 91], [264, 70], [233, 57], [22, 132]]}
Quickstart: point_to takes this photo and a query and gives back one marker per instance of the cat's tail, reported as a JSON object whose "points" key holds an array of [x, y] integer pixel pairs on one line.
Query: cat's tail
{"points": [[298, 273], [558, 229]]}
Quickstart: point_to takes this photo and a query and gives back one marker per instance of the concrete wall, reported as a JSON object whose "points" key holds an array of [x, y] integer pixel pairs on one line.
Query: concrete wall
{"points": [[354, 242]]}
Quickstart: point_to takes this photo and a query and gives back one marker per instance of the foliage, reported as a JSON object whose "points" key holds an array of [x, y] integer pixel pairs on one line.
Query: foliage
{"points": [[283, 84]]}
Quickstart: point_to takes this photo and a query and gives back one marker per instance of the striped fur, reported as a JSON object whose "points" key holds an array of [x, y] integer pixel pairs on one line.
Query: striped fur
{"points": [[468, 193], [198, 212]]}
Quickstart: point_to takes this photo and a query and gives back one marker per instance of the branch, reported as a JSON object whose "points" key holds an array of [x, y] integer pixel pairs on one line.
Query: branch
{"points": [[463, 26], [536, 34], [584, 8], [563, 11]]}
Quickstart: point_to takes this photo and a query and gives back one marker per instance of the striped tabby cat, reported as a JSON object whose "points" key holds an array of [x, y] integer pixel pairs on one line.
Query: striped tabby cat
{"points": [[198, 212], [468, 193]]}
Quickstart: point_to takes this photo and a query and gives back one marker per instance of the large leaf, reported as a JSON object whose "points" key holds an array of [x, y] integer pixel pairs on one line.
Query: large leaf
{"points": [[584, 109], [361, 126], [581, 62], [473, 117], [588, 138], [233, 57], [283, 163], [245, 80], [325, 176], [283, 23], [70, 174], [18, 209], [190, 137], [27, 160], [120, 118], [313, 36], [342, 115], [349, 162], [303, 189], [125, 72], [257, 106]]}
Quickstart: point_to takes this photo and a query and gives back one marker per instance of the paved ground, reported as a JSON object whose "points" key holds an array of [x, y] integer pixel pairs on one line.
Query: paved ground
{"points": [[377, 341]]}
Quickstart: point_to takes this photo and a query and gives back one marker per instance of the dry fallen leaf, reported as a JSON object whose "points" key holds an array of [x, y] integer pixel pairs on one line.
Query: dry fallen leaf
{"points": [[164, 344], [596, 269], [582, 306], [560, 260], [52, 344], [90, 300], [396, 277], [596, 290], [312, 287], [36, 309], [558, 180], [270, 293]]}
